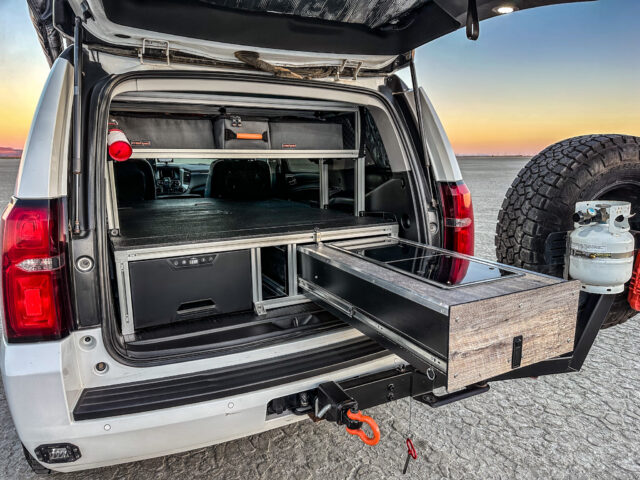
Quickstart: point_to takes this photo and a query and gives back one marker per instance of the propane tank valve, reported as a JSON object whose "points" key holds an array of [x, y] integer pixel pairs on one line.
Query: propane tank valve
{"points": [[601, 246]]}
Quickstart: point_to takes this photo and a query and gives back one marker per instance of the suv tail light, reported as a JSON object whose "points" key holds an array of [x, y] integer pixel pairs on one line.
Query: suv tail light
{"points": [[458, 234], [34, 274]]}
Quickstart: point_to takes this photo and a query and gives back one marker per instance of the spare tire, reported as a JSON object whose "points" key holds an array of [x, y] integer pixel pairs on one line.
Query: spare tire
{"points": [[542, 198]]}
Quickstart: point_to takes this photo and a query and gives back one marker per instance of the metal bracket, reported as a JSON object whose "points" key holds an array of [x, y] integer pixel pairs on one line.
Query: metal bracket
{"points": [[113, 217], [359, 187], [435, 401], [153, 44], [356, 66]]}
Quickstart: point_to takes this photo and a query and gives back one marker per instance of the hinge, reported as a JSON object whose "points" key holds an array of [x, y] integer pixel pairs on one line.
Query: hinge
{"points": [[349, 64], [86, 11], [156, 44], [259, 308]]}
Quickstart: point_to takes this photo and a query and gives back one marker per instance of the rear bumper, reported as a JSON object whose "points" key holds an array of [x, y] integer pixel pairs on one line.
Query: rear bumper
{"points": [[44, 382]]}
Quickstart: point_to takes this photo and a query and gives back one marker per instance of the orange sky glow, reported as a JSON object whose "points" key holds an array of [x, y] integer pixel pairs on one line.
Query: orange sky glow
{"points": [[531, 80]]}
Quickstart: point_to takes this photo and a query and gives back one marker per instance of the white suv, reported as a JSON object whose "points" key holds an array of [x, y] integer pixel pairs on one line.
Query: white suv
{"points": [[231, 216]]}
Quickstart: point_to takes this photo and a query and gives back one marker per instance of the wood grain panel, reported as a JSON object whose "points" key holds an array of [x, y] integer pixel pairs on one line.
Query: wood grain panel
{"points": [[481, 333]]}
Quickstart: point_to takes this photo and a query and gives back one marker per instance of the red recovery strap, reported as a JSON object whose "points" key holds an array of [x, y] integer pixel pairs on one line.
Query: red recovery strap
{"points": [[634, 286]]}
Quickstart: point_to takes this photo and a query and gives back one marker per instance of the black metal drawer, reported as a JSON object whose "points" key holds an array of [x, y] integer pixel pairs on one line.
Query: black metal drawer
{"points": [[168, 290]]}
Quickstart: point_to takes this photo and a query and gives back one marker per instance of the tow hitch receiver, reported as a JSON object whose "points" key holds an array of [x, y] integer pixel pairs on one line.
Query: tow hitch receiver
{"points": [[334, 404]]}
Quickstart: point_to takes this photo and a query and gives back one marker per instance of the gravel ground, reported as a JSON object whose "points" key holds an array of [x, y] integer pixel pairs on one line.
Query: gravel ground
{"points": [[577, 426]]}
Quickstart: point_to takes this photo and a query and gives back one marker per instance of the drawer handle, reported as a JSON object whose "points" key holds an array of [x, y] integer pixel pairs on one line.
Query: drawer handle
{"points": [[196, 306]]}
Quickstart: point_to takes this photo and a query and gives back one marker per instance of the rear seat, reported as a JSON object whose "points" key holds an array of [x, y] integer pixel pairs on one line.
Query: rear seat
{"points": [[240, 179], [134, 181]]}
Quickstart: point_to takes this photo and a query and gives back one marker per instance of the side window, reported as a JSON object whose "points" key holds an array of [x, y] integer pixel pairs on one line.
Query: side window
{"points": [[377, 167]]}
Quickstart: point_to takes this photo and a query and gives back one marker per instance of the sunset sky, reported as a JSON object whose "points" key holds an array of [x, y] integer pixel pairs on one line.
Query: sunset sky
{"points": [[533, 78]]}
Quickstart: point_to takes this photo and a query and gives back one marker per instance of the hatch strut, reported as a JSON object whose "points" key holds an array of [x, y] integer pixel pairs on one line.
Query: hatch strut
{"points": [[77, 120], [421, 134], [473, 23], [78, 68]]}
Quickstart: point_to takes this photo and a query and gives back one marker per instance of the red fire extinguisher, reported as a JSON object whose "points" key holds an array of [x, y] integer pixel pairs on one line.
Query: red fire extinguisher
{"points": [[117, 143]]}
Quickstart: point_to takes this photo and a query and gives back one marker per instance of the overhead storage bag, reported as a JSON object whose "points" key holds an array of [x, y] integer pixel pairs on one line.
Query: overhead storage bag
{"points": [[166, 133], [234, 132], [306, 136]]}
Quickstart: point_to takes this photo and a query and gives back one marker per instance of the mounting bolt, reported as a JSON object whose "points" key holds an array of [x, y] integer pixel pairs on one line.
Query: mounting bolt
{"points": [[84, 264], [101, 367]]}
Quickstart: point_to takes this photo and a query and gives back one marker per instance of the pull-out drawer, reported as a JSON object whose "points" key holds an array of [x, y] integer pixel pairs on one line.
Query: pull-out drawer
{"points": [[466, 317]]}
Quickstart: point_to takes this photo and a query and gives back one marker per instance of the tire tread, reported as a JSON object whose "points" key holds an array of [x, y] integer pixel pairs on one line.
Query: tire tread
{"points": [[546, 188]]}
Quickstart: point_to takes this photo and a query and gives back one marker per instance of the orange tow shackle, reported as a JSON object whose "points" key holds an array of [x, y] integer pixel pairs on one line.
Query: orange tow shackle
{"points": [[359, 417]]}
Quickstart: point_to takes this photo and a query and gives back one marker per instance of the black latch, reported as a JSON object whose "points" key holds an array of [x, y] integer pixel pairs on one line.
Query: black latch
{"points": [[516, 353]]}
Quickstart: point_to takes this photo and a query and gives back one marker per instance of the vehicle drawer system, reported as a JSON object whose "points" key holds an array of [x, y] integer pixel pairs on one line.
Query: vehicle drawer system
{"points": [[466, 318], [456, 321]]}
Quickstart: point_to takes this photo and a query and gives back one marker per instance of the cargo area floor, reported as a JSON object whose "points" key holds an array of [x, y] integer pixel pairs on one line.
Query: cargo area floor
{"points": [[155, 223]]}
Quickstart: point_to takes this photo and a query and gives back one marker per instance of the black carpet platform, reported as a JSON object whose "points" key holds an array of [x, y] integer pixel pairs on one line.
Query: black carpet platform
{"points": [[163, 222]]}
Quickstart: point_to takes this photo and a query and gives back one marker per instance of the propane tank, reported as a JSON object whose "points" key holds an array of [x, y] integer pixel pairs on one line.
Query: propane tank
{"points": [[118, 144], [601, 246]]}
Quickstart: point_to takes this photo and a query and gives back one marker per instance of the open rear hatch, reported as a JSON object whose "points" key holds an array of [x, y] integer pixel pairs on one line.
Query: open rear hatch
{"points": [[367, 35]]}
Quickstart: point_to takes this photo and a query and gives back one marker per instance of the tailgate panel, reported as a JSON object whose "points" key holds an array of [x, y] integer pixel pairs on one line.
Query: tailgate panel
{"points": [[470, 329]]}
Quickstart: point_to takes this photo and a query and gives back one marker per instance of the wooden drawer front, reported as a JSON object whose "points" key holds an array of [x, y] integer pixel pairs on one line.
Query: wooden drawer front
{"points": [[481, 333]]}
